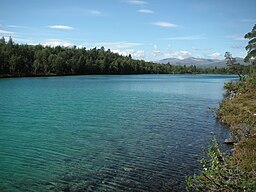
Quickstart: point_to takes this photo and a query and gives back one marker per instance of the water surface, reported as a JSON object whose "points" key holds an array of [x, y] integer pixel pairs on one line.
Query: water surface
{"points": [[106, 133]]}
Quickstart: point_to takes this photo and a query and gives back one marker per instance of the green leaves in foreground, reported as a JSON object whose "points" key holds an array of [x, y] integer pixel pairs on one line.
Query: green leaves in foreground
{"points": [[219, 174]]}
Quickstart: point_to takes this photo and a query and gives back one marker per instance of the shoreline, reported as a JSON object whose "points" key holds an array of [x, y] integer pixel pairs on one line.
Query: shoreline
{"points": [[235, 171], [238, 112], [55, 75]]}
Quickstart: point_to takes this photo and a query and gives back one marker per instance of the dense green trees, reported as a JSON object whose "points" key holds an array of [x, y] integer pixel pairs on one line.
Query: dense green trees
{"points": [[251, 50], [233, 65], [251, 47], [37, 60]]}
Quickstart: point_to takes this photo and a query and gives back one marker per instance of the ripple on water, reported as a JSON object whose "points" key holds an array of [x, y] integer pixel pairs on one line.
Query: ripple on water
{"points": [[105, 133]]}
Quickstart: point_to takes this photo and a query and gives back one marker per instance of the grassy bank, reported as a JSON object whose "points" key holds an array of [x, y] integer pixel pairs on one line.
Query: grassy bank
{"points": [[238, 111], [235, 172]]}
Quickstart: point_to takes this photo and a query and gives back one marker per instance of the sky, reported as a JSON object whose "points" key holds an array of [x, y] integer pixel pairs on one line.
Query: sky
{"points": [[147, 29]]}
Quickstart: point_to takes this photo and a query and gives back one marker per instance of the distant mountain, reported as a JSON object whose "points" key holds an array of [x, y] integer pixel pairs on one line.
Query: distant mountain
{"points": [[199, 62]]}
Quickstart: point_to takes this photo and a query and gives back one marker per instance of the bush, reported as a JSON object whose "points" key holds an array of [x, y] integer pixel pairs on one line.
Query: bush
{"points": [[220, 174], [235, 87]]}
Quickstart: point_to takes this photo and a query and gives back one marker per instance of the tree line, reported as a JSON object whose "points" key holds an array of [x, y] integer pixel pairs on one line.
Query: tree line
{"points": [[17, 60]]}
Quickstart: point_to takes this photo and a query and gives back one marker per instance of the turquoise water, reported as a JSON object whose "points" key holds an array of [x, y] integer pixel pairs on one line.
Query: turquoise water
{"points": [[105, 133]]}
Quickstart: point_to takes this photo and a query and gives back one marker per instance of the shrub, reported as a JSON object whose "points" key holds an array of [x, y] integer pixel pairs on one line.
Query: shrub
{"points": [[220, 173]]}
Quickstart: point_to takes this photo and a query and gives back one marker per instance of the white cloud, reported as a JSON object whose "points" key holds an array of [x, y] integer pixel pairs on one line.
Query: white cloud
{"points": [[236, 37], [17, 26], [169, 47], [22, 40], [95, 12], [196, 48], [121, 52], [178, 54], [136, 2], [6, 32], [237, 47], [121, 47], [193, 37], [248, 20], [117, 45], [164, 24], [155, 51], [214, 55], [145, 11], [19, 40], [56, 42], [201, 49], [137, 54], [64, 27], [7, 38]]}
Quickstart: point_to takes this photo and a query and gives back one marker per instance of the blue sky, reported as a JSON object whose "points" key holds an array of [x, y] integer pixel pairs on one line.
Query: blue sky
{"points": [[146, 29]]}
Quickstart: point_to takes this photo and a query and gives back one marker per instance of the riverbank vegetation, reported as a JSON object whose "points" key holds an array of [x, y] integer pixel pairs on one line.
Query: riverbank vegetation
{"points": [[37, 60], [235, 172]]}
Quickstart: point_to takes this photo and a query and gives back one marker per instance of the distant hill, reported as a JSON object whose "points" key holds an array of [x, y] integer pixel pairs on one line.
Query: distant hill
{"points": [[199, 62]]}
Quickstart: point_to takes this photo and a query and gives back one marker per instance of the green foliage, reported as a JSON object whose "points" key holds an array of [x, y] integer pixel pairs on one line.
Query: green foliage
{"points": [[220, 174], [38, 60], [238, 171], [251, 47], [235, 87], [233, 65], [251, 50], [252, 81], [240, 104]]}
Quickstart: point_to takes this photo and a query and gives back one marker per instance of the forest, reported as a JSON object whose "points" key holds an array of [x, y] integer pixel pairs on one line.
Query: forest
{"points": [[22, 60]]}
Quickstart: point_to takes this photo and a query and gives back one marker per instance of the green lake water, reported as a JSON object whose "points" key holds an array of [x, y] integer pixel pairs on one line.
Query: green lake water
{"points": [[106, 133]]}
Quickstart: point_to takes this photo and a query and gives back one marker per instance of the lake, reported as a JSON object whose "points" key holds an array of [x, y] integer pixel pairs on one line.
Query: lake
{"points": [[106, 133]]}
